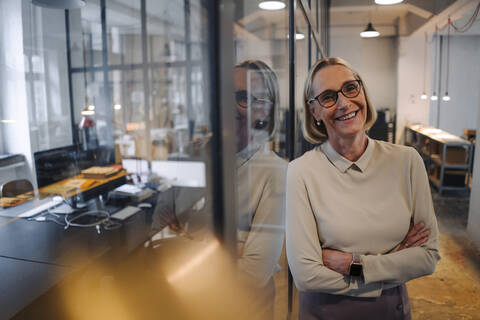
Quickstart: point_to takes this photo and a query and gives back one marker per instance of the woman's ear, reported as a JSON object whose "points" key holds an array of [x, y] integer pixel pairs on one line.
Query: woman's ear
{"points": [[314, 112]]}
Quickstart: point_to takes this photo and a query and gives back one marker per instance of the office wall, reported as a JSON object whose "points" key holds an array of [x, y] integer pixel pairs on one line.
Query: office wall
{"points": [[472, 103], [461, 111], [13, 97], [410, 108], [375, 60]]}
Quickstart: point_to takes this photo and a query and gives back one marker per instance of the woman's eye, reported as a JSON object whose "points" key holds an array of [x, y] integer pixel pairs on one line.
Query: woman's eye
{"points": [[350, 87], [327, 98]]}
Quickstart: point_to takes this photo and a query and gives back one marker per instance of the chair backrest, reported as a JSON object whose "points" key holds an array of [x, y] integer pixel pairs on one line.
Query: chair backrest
{"points": [[15, 187]]}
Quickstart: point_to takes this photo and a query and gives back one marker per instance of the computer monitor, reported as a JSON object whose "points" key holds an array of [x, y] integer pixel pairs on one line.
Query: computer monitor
{"points": [[54, 165], [58, 164]]}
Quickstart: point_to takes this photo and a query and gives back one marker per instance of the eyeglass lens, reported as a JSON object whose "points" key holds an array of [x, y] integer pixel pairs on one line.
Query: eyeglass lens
{"points": [[242, 98], [350, 90]]}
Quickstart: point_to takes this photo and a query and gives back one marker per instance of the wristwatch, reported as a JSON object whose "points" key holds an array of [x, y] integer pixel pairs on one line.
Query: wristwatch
{"points": [[356, 267]]}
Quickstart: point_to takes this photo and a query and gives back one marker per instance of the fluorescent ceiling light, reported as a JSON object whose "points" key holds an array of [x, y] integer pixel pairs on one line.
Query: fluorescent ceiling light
{"points": [[387, 2], [8, 121], [369, 32], [60, 4], [271, 5]]}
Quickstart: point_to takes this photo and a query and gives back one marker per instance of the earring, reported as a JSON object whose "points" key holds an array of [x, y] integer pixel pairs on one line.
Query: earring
{"points": [[317, 123]]}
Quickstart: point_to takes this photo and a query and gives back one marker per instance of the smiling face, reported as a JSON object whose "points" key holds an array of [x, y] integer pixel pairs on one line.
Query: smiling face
{"points": [[251, 115], [347, 117]]}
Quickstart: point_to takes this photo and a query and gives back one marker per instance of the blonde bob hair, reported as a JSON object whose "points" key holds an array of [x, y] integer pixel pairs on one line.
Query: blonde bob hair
{"points": [[271, 83], [318, 134]]}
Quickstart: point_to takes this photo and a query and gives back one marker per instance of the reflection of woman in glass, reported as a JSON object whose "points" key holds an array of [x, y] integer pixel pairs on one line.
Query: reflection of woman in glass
{"points": [[260, 182], [356, 207]]}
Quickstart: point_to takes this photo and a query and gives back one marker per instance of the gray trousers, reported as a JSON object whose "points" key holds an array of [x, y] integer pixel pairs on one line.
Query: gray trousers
{"points": [[393, 304]]}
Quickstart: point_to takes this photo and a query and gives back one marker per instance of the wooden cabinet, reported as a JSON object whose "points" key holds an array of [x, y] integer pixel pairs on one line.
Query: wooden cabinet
{"points": [[448, 158]]}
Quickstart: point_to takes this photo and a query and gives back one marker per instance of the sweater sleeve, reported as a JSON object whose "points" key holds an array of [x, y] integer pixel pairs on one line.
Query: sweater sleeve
{"points": [[264, 243], [304, 250], [407, 264]]}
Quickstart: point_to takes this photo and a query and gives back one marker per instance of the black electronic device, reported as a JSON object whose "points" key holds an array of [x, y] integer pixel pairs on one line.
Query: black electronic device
{"points": [[58, 164]]}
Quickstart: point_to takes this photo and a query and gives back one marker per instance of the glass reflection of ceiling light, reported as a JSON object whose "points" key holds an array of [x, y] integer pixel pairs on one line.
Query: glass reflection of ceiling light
{"points": [[299, 36], [446, 97], [8, 121], [117, 106], [387, 2], [369, 32], [60, 4], [88, 112], [271, 5], [91, 107], [423, 96], [434, 97]]}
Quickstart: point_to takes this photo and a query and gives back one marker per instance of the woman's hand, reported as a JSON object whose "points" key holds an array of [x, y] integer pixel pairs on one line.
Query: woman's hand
{"points": [[415, 237], [337, 260]]}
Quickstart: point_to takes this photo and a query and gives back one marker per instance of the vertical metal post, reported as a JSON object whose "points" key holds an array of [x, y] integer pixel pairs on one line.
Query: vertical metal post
{"points": [[220, 40], [291, 117], [70, 89], [188, 55], [106, 84], [146, 83]]}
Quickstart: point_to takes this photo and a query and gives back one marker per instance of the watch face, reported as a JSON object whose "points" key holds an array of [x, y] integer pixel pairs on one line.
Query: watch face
{"points": [[355, 269]]}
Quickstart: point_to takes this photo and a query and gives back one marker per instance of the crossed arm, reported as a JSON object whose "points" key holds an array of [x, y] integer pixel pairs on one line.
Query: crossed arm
{"points": [[321, 269]]}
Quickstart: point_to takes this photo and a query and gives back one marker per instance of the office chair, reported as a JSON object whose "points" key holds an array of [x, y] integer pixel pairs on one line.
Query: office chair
{"points": [[15, 187]]}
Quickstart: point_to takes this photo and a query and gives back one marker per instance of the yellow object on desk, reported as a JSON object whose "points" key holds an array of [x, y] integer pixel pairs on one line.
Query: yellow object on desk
{"points": [[99, 172]]}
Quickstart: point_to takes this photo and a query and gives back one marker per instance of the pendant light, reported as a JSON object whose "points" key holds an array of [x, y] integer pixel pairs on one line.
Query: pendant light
{"points": [[446, 97], [387, 2], [271, 5], [424, 94], [369, 32]]}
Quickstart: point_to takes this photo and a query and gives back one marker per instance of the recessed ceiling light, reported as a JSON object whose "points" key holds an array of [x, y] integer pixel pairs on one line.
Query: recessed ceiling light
{"points": [[369, 32], [387, 2], [271, 5]]}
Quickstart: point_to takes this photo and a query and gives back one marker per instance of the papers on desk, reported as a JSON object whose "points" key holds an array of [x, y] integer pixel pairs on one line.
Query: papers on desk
{"points": [[132, 191], [181, 173], [30, 208]]}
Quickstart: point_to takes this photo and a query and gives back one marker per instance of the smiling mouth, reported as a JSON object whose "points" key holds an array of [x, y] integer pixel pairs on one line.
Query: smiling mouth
{"points": [[347, 116]]}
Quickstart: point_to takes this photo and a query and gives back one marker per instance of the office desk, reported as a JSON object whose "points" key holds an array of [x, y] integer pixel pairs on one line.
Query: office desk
{"points": [[37, 256], [24, 281]]}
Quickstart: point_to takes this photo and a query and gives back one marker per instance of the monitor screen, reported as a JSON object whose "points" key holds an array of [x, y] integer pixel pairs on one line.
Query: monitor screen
{"points": [[56, 164], [61, 163]]}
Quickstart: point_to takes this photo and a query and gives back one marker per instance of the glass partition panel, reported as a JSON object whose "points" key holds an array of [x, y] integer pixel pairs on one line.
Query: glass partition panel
{"points": [[124, 32], [301, 72], [261, 104]]}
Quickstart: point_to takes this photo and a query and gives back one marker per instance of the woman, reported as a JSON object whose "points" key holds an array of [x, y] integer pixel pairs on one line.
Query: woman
{"points": [[260, 185], [360, 220]]}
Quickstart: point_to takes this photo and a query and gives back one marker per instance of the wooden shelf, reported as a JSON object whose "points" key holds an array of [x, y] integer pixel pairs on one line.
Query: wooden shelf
{"points": [[442, 152]]}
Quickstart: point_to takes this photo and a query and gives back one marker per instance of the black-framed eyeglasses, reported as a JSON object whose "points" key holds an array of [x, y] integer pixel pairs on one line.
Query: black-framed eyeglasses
{"points": [[242, 98], [328, 98]]}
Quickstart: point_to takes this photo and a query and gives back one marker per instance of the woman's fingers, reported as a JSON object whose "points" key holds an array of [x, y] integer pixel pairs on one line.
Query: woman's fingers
{"points": [[412, 241], [419, 242]]}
